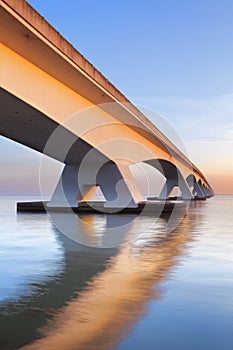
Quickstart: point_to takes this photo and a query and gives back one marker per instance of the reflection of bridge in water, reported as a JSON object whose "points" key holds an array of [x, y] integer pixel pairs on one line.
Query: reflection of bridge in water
{"points": [[44, 82], [116, 297], [21, 319], [99, 289]]}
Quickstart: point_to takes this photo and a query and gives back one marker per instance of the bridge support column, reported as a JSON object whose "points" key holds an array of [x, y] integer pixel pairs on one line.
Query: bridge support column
{"points": [[210, 193], [167, 188], [207, 192], [170, 184], [118, 186], [204, 190], [197, 191], [78, 181]]}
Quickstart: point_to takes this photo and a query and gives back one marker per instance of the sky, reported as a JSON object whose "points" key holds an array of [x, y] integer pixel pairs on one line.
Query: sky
{"points": [[173, 57]]}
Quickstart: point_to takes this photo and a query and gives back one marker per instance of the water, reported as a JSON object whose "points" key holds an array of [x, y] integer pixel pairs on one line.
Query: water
{"points": [[161, 291]]}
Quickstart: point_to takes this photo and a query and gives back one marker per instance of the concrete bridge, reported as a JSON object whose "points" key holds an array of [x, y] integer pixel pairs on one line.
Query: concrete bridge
{"points": [[55, 102]]}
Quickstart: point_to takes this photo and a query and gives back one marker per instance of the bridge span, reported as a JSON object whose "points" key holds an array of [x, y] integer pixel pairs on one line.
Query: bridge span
{"points": [[55, 102]]}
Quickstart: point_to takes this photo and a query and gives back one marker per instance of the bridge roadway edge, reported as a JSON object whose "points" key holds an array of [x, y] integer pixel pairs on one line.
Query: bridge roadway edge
{"points": [[39, 24]]}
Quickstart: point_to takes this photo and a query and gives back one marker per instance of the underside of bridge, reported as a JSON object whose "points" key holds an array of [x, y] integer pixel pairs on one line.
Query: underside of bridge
{"points": [[44, 81], [86, 167]]}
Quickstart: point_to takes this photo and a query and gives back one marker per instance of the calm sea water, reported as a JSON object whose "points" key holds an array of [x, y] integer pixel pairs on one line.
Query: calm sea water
{"points": [[162, 291]]}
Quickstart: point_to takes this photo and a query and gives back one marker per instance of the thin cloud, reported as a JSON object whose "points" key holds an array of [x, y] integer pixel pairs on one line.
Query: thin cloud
{"points": [[209, 119]]}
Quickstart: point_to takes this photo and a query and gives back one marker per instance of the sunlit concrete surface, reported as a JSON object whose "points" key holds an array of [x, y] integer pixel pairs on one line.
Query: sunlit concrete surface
{"points": [[54, 101]]}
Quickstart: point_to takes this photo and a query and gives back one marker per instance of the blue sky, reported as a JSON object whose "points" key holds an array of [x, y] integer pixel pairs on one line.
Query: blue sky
{"points": [[152, 48], [173, 56]]}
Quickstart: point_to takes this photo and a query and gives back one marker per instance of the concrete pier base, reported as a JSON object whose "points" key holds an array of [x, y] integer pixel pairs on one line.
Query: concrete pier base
{"points": [[98, 207]]}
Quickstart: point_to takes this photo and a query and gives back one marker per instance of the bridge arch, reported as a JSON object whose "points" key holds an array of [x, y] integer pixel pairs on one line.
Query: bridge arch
{"points": [[206, 193], [191, 180], [173, 176], [196, 186]]}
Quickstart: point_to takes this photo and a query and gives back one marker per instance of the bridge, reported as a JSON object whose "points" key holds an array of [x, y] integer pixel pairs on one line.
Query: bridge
{"points": [[55, 102]]}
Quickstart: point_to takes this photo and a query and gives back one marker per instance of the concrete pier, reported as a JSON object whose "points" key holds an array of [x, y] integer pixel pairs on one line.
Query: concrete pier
{"points": [[149, 208]]}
